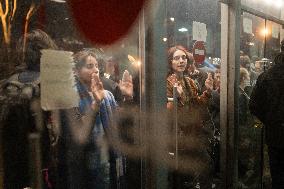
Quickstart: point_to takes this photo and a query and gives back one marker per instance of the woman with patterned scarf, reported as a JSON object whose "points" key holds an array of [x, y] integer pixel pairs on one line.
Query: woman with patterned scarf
{"points": [[86, 158], [193, 165]]}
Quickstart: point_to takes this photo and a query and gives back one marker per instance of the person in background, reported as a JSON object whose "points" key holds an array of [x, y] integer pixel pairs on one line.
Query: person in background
{"points": [[243, 96], [214, 110], [87, 158], [247, 161], [110, 69], [107, 77], [189, 119], [267, 104], [214, 105], [199, 76], [245, 62], [21, 91], [258, 67]]}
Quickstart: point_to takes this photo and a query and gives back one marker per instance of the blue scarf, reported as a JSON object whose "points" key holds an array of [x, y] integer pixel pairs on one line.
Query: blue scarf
{"points": [[107, 108], [108, 105]]}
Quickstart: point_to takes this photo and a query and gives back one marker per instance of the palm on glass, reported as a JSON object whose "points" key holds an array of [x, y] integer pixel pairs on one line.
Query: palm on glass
{"points": [[209, 82], [97, 88], [126, 84]]}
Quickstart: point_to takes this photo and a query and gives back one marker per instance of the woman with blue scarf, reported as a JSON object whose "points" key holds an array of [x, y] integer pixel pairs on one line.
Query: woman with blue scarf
{"points": [[86, 158]]}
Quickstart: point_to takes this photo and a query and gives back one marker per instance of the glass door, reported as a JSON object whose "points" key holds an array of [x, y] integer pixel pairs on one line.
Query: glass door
{"points": [[260, 43], [190, 141]]}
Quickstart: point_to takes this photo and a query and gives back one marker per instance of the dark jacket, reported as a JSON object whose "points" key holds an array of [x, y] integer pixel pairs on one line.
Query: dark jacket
{"points": [[113, 87], [18, 123], [267, 102]]}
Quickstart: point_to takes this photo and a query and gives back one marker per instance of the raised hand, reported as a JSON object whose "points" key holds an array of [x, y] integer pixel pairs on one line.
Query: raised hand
{"points": [[174, 81], [195, 72], [97, 88], [209, 82], [126, 84], [217, 80]]}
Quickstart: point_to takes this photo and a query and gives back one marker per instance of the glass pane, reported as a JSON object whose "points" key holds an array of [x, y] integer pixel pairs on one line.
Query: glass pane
{"points": [[260, 43], [194, 25], [252, 55], [83, 129], [271, 8], [271, 50], [252, 36], [272, 40]]}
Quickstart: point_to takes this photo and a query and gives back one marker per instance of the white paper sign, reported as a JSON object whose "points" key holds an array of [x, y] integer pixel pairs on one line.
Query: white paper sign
{"points": [[275, 31], [247, 25], [199, 31], [57, 80]]}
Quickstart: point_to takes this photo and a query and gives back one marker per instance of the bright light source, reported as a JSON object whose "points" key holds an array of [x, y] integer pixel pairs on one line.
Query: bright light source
{"points": [[131, 58], [165, 39], [264, 32], [209, 57], [59, 1], [183, 29], [278, 3], [172, 19], [267, 2]]}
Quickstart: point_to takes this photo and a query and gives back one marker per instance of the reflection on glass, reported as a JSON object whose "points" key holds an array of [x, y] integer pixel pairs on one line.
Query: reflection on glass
{"points": [[260, 42], [84, 150], [195, 26], [272, 8]]}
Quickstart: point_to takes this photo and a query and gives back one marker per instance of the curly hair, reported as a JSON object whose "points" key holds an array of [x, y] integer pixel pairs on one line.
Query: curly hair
{"points": [[171, 52]]}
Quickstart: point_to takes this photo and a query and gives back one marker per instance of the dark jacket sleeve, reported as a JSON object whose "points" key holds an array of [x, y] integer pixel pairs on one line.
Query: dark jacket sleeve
{"points": [[257, 102]]}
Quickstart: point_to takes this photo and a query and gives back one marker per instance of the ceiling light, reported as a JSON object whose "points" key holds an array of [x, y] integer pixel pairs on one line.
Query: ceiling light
{"points": [[183, 29], [131, 58], [264, 31], [278, 3], [59, 1]]}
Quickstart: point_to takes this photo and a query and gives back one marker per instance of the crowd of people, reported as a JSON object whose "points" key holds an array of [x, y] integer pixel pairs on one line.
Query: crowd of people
{"points": [[79, 144]]}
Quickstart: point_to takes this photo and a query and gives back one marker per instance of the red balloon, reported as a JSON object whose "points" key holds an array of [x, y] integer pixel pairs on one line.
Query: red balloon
{"points": [[105, 21]]}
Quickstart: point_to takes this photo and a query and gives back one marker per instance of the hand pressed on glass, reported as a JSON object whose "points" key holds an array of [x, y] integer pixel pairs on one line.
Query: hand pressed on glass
{"points": [[126, 85], [209, 82]]}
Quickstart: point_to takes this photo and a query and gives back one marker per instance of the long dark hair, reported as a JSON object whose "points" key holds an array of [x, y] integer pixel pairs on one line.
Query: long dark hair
{"points": [[171, 52], [81, 56], [36, 40]]}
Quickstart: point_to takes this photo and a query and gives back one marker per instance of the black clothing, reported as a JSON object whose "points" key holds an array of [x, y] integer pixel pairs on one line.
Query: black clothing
{"points": [[18, 122], [113, 87], [267, 104], [276, 156]]}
